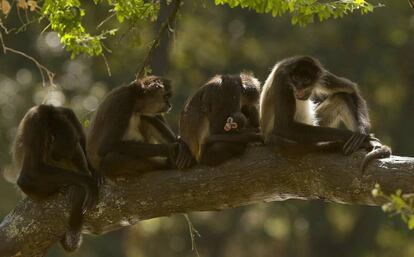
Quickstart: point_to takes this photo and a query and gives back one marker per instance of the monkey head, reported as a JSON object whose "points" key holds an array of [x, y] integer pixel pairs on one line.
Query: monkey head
{"points": [[62, 139], [154, 97], [303, 74]]}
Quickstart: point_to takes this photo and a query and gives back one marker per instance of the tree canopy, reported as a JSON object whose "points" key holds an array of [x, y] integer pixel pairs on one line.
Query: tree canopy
{"points": [[66, 16]]}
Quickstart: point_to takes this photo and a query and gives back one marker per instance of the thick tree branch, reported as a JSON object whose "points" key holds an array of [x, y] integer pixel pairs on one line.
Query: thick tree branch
{"points": [[169, 23], [260, 175]]}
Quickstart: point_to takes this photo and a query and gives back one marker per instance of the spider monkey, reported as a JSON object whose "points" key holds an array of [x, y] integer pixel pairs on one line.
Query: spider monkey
{"points": [[49, 152], [129, 134], [221, 118], [289, 116]]}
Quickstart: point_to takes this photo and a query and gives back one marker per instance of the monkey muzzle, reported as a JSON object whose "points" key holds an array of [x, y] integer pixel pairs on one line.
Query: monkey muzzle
{"points": [[301, 94]]}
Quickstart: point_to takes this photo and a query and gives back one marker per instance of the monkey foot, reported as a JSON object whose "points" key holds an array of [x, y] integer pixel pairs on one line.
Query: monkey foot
{"points": [[71, 241]]}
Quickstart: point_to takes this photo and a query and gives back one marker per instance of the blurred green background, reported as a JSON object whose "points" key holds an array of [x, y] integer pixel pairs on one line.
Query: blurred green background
{"points": [[375, 50]]}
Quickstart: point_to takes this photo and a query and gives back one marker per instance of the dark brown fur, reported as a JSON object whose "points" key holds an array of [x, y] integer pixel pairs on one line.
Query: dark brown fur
{"points": [[224, 100], [294, 81], [128, 133], [49, 153]]}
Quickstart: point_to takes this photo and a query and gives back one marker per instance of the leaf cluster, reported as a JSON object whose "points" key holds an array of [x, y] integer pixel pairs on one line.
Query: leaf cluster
{"points": [[397, 204], [65, 16]]}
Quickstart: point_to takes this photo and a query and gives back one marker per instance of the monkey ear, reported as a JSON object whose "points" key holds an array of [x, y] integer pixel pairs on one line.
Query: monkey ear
{"points": [[139, 88], [166, 83]]}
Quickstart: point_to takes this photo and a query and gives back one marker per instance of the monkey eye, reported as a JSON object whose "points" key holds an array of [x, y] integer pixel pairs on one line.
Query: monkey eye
{"points": [[167, 95], [307, 80]]}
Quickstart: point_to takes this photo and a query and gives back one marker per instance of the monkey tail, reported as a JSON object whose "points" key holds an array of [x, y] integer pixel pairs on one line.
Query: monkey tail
{"points": [[378, 153], [71, 241]]}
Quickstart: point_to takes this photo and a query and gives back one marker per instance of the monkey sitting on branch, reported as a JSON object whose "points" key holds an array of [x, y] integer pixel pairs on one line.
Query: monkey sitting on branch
{"points": [[300, 94], [49, 152], [129, 135], [220, 119]]}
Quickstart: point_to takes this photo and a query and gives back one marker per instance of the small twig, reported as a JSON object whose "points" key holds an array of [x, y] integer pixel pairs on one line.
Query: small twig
{"points": [[106, 48], [105, 20], [43, 31], [108, 68], [411, 2], [24, 26], [121, 38], [164, 27], [19, 15], [193, 234], [42, 69], [2, 26]]}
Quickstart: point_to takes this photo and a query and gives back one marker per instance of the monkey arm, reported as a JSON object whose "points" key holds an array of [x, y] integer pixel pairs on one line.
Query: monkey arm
{"points": [[113, 131], [308, 134], [80, 157], [335, 84], [234, 138], [39, 178], [80, 161], [286, 126], [71, 116], [350, 97], [161, 125], [142, 150], [252, 115]]}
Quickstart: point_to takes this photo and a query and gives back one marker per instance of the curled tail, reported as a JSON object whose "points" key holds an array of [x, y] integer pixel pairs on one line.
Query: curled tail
{"points": [[380, 152], [71, 241]]}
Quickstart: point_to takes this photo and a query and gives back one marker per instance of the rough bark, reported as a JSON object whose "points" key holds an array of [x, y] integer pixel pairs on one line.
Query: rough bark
{"points": [[260, 175]]}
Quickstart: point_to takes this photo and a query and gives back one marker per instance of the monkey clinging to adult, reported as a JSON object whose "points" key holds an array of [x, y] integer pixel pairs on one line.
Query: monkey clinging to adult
{"points": [[49, 153], [129, 134], [221, 118], [289, 116]]}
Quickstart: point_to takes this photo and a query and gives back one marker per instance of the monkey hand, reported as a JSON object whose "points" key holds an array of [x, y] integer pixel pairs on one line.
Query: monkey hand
{"points": [[256, 138], [98, 178], [184, 158], [172, 153], [355, 142], [97, 175], [91, 193], [250, 130]]}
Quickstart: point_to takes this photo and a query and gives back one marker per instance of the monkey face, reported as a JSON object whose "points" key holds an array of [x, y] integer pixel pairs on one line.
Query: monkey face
{"points": [[156, 101], [302, 86], [155, 96], [304, 77]]}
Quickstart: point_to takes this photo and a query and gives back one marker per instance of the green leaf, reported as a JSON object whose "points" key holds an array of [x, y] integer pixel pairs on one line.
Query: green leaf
{"points": [[411, 222], [302, 11]]}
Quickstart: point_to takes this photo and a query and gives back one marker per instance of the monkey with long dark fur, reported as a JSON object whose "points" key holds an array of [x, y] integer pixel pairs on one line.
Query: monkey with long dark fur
{"points": [[129, 134], [221, 118], [288, 115], [49, 152]]}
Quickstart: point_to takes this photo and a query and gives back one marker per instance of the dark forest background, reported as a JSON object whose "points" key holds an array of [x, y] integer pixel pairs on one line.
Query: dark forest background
{"points": [[375, 50]]}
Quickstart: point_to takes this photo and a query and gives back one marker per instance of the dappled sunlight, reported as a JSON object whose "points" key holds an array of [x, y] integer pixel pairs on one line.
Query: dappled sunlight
{"points": [[375, 51]]}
